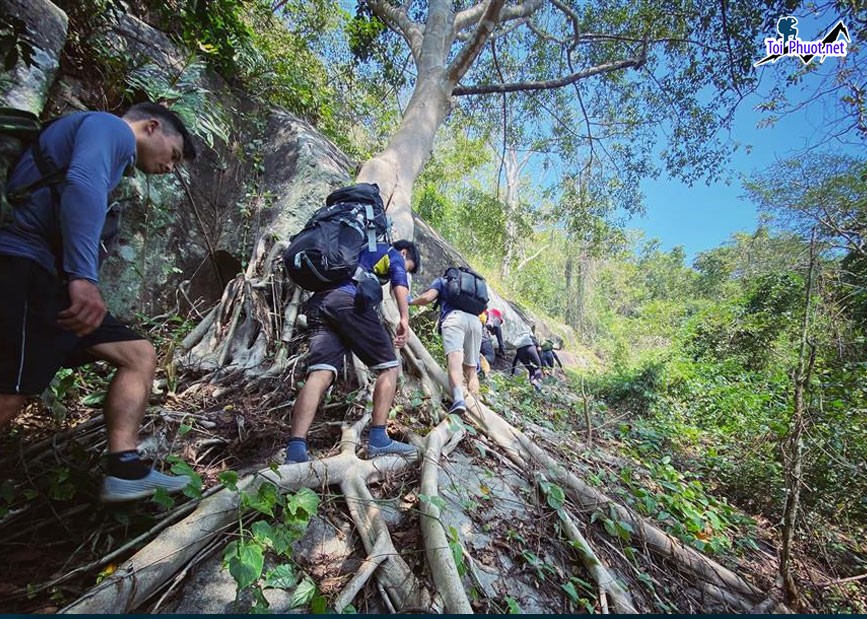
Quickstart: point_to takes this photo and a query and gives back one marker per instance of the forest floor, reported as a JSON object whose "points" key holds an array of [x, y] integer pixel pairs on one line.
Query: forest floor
{"points": [[57, 540]]}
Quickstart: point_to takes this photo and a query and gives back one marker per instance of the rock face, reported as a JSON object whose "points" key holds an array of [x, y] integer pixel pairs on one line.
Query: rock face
{"points": [[26, 85], [43, 30]]}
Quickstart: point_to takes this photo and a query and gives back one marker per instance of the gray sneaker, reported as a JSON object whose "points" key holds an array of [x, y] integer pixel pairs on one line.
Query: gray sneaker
{"points": [[117, 490], [394, 447]]}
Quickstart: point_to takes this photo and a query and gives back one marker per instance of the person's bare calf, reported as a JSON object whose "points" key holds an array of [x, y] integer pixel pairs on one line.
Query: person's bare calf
{"points": [[10, 405], [128, 477]]}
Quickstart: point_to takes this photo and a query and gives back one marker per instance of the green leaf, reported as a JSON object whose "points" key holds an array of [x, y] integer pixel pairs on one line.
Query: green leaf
{"points": [[438, 501], [303, 593], [514, 609], [184, 429], [262, 532], [303, 504], [610, 527], [162, 498], [570, 590], [281, 577], [245, 561], [260, 603], [556, 496], [179, 467], [229, 479], [94, 399], [318, 605], [264, 501]]}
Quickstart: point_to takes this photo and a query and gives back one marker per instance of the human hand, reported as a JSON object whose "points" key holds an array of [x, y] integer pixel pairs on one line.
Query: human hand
{"points": [[86, 308], [402, 335]]}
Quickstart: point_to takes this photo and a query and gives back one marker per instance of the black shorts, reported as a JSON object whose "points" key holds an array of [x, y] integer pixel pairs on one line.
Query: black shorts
{"points": [[339, 327], [529, 356], [32, 345]]}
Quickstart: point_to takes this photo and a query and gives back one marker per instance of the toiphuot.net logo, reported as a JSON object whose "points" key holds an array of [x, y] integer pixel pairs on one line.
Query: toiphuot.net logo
{"points": [[788, 43]]}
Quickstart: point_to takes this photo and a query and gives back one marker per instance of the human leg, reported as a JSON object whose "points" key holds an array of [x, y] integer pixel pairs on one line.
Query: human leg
{"points": [[128, 477], [453, 333], [362, 332], [128, 393], [327, 351], [10, 406], [472, 345]]}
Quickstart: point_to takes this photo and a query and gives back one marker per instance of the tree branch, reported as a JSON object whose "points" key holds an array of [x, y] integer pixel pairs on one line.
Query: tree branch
{"points": [[473, 47], [554, 83], [470, 16], [396, 19]]}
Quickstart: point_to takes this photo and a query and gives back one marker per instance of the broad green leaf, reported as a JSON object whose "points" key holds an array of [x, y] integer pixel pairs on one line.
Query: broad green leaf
{"points": [[281, 577], [303, 504], [245, 563], [162, 498], [514, 609], [303, 593], [229, 479], [570, 590]]}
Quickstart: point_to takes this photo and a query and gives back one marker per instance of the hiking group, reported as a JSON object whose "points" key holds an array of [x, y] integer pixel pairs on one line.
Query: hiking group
{"points": [[54, 314]]}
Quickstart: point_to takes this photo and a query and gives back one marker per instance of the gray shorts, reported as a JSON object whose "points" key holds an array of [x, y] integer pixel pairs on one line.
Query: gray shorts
{"points": [[462, 332]]}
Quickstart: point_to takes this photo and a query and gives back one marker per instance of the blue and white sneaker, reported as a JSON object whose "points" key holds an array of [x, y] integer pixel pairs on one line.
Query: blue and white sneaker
{"points": [[117, 490], [394, 447], [458, 408]]}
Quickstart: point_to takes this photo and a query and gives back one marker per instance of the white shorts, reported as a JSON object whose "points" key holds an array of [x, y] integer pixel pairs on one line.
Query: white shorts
{"points": [[463, 332]]}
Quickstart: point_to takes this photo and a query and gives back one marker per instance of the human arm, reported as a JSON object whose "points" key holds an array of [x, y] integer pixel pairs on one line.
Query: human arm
{"points": [[401, 295], [103, 146], [428, 296], [86, 308], [557, 359]]}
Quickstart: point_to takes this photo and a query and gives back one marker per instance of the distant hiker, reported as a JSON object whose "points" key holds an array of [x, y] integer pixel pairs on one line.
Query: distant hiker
{"points": [[53, 314], [345, 319], [462, 295], [494, 325], [528, 353], [486, 349], [549, 355]]}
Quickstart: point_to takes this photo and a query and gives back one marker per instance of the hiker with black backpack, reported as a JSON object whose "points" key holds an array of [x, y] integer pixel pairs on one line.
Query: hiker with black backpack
{"points": [[53, 314], [462, 295], [340, 256]]}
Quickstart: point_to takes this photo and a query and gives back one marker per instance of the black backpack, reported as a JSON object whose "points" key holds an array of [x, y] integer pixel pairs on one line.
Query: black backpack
{"points": [[324, 254], [466, 290]]}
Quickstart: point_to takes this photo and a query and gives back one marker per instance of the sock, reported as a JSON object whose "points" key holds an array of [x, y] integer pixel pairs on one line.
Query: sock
{"points": [[378, 436], [457, 393], [127, 465], [296, 450]]}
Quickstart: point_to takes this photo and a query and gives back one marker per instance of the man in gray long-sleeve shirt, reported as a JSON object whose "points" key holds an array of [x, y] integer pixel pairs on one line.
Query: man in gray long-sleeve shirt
{"points": [[53, 314]]}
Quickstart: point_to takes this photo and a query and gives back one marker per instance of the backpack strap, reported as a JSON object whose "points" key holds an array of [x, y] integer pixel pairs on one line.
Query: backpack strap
{"points": [[371, 229], [52, 176]]}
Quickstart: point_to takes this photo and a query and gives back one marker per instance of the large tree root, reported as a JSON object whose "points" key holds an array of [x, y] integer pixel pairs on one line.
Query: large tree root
{"points": [[139, 578], [439, 554], [725, 585]]}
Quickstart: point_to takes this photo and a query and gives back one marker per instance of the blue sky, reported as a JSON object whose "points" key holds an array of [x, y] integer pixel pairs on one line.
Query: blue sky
{"points": [[701, 217]]}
